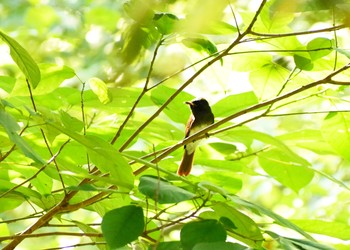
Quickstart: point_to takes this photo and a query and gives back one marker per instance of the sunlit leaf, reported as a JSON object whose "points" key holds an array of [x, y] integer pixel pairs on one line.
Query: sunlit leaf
{"points": [[165, 22], [242, 227], [52, 76], [303, 63], [103, 16], [319, 47], [11, 127], [260, 210], [23, 60], [334, 229], [200, 45], [336, 131], [234, 103], [291, 172], [100, 89]]}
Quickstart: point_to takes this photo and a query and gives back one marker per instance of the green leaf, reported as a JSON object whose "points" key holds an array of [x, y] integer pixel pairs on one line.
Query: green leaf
{"points": [[165, 22], [343, 52], [122, 225], [71, 122], [103, 155], [11, 127], [218, 28], [162, 191], [52, 76], [170, 245], [290, 171], [201, 231], [267, 80], [102, 16], [100, 89], [291, 244], [219, 246], [303, 62], [243, 228], [330, 228], [234, 103], [177, 107], [262, 210], [321, 47], [139, 10], [200, 45], [23, 60], [336, 131]]}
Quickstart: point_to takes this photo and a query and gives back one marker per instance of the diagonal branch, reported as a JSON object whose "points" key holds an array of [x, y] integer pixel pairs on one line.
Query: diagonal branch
{"points": [[205, 132], [194, 76]]}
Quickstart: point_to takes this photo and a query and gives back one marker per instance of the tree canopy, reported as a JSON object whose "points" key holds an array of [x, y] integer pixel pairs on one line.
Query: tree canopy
{"points": [[93, 114]]}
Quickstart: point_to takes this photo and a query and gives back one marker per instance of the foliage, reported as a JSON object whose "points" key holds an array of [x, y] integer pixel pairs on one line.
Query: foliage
{"points": [[92, 117]]}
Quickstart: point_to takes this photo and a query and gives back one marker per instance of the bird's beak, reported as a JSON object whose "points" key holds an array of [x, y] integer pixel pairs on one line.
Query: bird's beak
{"points": [[189, 103]]}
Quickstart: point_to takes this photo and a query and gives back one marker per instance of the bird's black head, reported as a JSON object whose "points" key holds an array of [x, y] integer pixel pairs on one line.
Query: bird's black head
{"points": [[200, 107]]}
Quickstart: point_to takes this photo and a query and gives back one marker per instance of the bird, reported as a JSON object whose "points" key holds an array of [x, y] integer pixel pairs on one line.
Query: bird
{"points": [[200, 118]]}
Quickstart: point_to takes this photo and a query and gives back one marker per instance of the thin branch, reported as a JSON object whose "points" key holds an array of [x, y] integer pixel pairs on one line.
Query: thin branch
{"points": [[307, 113], [43, 134], [3, 157], [194, 76], [269, 35], [144, 91], [38, 172], [205, 132], [11, 237]]}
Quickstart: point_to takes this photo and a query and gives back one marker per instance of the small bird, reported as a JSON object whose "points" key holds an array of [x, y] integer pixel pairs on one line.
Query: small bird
{"points": [[200, 118]]}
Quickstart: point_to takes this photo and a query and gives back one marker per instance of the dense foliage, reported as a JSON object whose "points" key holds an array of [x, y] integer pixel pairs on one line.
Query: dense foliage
{"points": [[92, 120]]}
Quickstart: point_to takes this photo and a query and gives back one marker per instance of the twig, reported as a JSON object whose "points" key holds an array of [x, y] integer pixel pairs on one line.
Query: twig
{"points": [[194, 76], [205, 132], [144, 91], [38, 172]]}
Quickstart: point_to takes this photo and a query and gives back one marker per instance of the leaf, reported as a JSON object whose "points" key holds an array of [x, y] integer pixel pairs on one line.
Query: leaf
{"points": [[170, 245], [219, 245], [103, 155], [267, 80], [162, 191], [71, 122], [291, 244], [218, 28], [336, 131], [303, 63], [165, 22], [330, 228], [201, 231], [262, 210], [176, 108], [200, 45], [52, 76], [122, 225], [321, 47], [23, 60], [290, 171], [11, 127], [100, 89], [102, 16], [344, 52], [243, 228], [234, 103]]}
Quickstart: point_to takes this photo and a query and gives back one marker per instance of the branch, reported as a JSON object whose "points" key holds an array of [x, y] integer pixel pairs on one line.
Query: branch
{"points": [[267, 35], [205, 132], [144, 91], [194, 76]]}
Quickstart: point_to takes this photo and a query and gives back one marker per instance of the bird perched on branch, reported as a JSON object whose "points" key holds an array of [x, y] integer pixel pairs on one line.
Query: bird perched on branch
{"points": [[200, 118]]}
